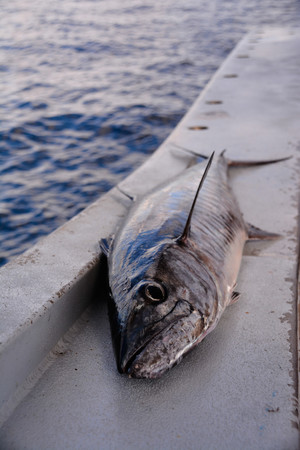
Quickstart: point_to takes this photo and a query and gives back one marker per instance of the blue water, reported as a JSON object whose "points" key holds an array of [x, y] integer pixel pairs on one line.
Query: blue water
{"points": [[89, 89]]}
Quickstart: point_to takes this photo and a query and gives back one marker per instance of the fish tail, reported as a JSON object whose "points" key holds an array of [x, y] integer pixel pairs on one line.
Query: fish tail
{"points": [[251, 163], [201, 156], [234, 162]]}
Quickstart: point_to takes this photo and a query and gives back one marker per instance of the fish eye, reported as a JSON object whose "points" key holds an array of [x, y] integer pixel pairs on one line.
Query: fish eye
{"points": [[154, 292]]}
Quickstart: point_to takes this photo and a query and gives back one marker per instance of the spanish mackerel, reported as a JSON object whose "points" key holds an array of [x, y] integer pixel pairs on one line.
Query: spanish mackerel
{"points": [[173, 267]]}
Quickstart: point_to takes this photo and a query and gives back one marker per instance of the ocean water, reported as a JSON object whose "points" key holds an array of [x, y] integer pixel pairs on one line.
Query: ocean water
{"points": [[89, 89]]}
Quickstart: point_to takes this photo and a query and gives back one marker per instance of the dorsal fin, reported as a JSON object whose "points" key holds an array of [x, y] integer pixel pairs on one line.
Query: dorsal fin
{"points": [[187, 227]]}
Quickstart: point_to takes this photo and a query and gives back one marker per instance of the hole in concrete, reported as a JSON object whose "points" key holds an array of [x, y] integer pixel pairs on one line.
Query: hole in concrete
{"points": [[214, 102], [199, 127], [230, 75], [243, 56]]}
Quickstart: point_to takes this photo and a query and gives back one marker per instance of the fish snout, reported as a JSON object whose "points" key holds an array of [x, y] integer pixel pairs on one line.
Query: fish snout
{"points": [[148, 353]]}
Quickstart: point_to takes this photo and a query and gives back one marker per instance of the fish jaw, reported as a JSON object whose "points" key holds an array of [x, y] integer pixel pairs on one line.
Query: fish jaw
{"points": [[167, 348], [145, 324]]}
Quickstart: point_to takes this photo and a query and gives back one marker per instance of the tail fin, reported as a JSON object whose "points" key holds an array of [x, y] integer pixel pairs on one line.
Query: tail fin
{"points": [[245, 163], [235, 162], [189, 151]]}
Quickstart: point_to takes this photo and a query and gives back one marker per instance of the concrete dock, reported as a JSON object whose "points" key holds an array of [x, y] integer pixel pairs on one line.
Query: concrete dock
{"points": [[239, 389]]}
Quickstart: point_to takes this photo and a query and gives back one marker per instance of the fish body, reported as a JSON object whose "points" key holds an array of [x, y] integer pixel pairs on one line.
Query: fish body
{"points": [[169, 292]]}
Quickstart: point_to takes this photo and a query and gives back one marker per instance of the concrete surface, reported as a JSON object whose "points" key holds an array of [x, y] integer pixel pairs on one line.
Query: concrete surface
{"points": [[239, 388]]}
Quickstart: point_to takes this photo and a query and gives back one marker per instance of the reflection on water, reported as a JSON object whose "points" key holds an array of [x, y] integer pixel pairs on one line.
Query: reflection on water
{"points": [[89, 89]]}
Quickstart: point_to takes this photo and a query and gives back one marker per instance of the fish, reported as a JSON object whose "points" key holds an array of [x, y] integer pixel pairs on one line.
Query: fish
{"points": [[173, 266]]}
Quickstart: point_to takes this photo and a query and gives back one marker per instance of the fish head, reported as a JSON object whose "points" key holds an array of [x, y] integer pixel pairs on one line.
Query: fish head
{"points": [[164, 314]]}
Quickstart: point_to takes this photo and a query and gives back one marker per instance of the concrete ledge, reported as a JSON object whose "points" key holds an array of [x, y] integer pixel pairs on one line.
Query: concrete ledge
{"points": [[238, 389], [47, 288]]}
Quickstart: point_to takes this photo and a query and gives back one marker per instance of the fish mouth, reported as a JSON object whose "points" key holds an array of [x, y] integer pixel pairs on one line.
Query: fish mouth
{"points": [[126, 367], [166, 348]]}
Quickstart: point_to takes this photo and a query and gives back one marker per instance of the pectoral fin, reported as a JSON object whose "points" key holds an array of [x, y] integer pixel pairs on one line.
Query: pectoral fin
{"points": [[234, 297], [255, 233], [105, 245]]}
